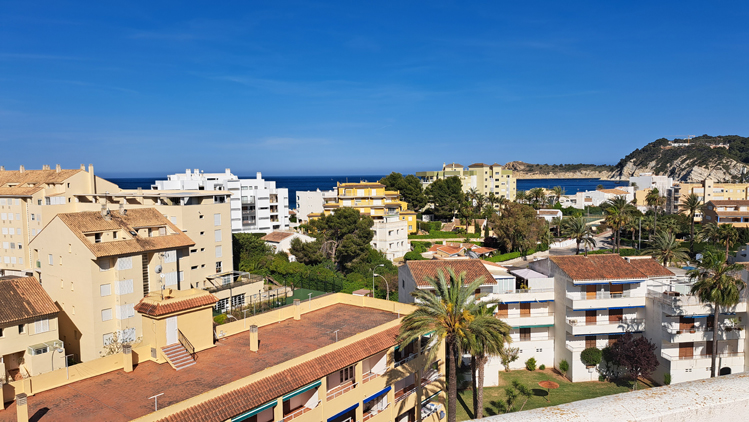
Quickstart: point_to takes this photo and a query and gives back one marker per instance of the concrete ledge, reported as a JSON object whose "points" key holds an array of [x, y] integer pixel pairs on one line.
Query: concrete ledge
{"points": [[719, 399]]}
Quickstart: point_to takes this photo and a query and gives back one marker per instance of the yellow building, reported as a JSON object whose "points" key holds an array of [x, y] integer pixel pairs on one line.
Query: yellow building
{"points": [[334, 358], [29, 337], [27, 201], [707, 191], [484, 178]]}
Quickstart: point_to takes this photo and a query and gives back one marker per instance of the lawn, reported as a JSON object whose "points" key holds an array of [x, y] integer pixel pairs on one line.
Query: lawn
{"points": [[566, 393]]}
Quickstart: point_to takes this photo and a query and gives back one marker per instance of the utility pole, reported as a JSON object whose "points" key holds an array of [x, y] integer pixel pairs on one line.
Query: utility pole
{"points": [[639, 236]]}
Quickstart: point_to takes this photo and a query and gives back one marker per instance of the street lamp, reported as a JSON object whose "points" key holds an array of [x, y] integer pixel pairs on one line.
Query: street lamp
{"points": [[373, 276], [387, 287]]}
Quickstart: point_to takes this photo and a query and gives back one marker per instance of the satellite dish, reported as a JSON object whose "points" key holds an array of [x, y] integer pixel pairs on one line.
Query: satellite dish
{"points": [[472, 255], [158, 269]]}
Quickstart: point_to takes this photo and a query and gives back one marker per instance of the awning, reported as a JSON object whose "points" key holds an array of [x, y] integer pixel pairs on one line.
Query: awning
{"points": [[533, 326], [627, 282], [431, 397], [596, 309], [343, 412], [302, 390], [693, 316], [376, 395], [527, 301], [254, 411], [625, 307], [619, 333]]}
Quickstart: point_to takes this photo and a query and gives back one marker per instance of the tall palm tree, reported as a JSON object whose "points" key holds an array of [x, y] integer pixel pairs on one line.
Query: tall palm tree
{"points": [[472, 194], [691, 205], [665, 249], [450, 314], [536, 194], [491, 199], [557, 222], [708, 233], [558, 193], [480, 349], [520, 196], [479, 201], [576, 228], [716, 283], [617, 212], [727, 236], [654, 200]]}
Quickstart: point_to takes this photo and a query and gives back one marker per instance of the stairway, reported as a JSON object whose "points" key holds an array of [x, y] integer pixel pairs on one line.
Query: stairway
{"points": [[178, 356]]}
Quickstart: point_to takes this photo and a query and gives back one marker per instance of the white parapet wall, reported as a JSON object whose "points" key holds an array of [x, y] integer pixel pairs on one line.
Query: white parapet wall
{"points": [[719, 399]]}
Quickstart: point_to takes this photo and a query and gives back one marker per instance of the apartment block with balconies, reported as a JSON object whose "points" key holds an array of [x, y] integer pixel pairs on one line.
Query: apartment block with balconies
{"points": [[598, 298]]}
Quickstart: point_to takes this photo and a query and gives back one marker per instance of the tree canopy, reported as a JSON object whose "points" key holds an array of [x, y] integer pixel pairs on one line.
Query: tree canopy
{"points": [[636, 355], [517, 228], [409, 188], [446, 195]]}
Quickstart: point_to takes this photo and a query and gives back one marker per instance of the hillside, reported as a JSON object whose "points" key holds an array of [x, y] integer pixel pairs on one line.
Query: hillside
{"points": [[721, 158]]}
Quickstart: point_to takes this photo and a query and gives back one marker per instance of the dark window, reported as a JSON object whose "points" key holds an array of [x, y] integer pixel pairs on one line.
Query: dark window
{"points": [[525, 334], [590, 341]]}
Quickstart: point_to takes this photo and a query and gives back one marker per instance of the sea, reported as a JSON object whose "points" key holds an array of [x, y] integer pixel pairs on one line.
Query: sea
{"points": [[305, 183]]}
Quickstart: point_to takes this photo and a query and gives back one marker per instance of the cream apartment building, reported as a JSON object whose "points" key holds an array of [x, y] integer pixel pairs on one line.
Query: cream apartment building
{"points": [[707, 191], [27, 201], [97, 265], [485, 178]]}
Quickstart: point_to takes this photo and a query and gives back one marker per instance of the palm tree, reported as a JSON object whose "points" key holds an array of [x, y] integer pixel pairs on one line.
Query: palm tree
{"points": [[648, 222], [708, 233], [479, 201], [665, 249], [617, 212], [576, 228], [654, 199], [716, 283], [449, 312], [727, 236], [480, 349], [557, 222], [692, 204], [472, 194], [558, 193], [537, 194], [491, 199], [520, 196]]}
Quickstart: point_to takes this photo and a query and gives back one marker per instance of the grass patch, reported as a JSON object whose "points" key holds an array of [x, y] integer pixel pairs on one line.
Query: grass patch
{"points": [[566, 393], [302, 294]]}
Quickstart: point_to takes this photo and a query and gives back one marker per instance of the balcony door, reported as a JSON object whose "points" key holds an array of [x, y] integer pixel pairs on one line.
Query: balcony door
{"points": [[686, 350], [617, 290], [503, 310], [590, 291], [591, 317], [525, 309], [708, 348], [685, 324], [616, 315]]}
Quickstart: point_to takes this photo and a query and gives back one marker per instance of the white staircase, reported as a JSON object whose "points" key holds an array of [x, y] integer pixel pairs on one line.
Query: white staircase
{"points": [[178, 356]]}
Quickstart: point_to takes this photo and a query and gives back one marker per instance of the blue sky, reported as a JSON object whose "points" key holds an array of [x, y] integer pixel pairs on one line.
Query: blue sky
{"points": [[353, 87]]}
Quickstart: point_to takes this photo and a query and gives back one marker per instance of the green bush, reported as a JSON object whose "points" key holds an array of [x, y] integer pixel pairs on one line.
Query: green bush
{"points": [[564, 366], [601, 378], [220, 319], [667, 379], [542, 367], [530, 364], [591, 356], [413, 256]]}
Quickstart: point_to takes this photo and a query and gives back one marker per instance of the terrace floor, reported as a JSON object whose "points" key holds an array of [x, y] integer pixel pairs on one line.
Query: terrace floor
{"points": [[121, 396]]}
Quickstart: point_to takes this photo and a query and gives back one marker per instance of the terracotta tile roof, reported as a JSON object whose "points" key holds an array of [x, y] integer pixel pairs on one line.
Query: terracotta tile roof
{"points": [[614, 191], [483, 250], [549, 212], [461, 245], [452, 166], [276, 236], [730, 213], [24, 299], [34, 177], [450, 250], [22, 191], [152, 307], [729, 202], [264, 390], [474, 269], [597, 267], [650, 267], [92, 221], [479, 165]]}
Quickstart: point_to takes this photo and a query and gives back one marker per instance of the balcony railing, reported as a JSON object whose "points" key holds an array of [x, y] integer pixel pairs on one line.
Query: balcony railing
{"points": [[583, 322], [373, 413], [240, 281], [405, 360], [369, 376], [700, 356], [429, 377], [337, 392], [299, 412], [403, 393], [521, 291], [701, 329], [532, 315], [603, 295]]}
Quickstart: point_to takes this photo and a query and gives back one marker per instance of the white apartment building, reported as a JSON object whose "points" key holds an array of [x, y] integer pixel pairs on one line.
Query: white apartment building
{"points": [[648, 181], [311, 202], [594, 198], [257, 206], [391, 236]]}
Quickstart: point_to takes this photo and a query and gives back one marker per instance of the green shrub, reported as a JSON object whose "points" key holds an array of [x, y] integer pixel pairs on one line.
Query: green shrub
{"points": [[542, 367], [601, 377], [220, 319], [564, 366], [413, 256], [530, 364], [591, 356], [667, 379]]}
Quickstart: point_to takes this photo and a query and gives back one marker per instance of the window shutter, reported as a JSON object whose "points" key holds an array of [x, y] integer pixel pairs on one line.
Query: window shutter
{"points": [[216, 219]]}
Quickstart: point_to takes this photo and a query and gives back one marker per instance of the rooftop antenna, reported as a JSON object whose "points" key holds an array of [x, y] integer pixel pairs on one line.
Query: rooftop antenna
{"points": [[156, 401], [336, 334]]}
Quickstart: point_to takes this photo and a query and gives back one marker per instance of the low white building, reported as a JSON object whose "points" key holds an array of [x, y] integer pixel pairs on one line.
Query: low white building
{"points": [[594, 198], [391, 237], [311, 202], [257, 206], [280, 241], [648, 180], [549, 214]]}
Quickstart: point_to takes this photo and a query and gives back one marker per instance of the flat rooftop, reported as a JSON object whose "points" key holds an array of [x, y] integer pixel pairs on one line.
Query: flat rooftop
{"points": [[122, 396]]}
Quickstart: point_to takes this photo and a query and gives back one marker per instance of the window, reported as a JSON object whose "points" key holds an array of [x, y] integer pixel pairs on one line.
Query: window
{"points": [[125, 263], [114, 235], [346, 374], [590, 341], [525, 334], [22, 329], [51, 260], [123, 287], [237, 301], [1, 333], [170, 256], [97, 237], [218, 267], [105, 290], [125, 311], [216, 219], [217, 235], [41, 326], [218, 251], [106, 314]]}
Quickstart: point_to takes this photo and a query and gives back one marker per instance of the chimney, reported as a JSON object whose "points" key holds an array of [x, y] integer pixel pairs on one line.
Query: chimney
{"points": [[227, 171], [83, 167], [22, 407], [259, 176], [22, 169], [123, 211], [57, 168], [254, 341], [92, 178], [45, 166], [297, 310], [140, 190], [105, 212], [2, 168], [127, 357]]}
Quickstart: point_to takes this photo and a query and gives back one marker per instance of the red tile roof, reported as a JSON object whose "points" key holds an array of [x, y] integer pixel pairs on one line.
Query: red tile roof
{"points": [[597, 267], [473, 268], [276, 236], [152, 307], [450, 250], [483, 250], [729, 202], [264, 390], [650, 267], [23, 300]]}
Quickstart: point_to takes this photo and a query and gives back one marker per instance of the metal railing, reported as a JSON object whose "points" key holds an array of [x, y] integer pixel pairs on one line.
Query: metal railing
{"points": [[369, 376], [702, 329], [623, 321], [604, 295], [531, 315], [523, 291], [405, 392], [405, 360], [186, 344], [342, 391], [373, 413], [299, 412], [700, 356], [430, 377]]}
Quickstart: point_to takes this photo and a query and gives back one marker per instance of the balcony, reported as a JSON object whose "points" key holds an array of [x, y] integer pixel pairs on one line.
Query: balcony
{"points": [[341, 390], [527, 320], [369, 376], [579, 326], [430, 377], [673, 334], [405, 360], [299, 412], [681, 304], [403, 393], [580, 301], [693, 357], [522, 295], [231, 280]]}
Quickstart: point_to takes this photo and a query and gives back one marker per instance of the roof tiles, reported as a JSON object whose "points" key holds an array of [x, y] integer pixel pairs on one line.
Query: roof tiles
{"points": [[597, 267], [24, 299], [473, 268]]}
